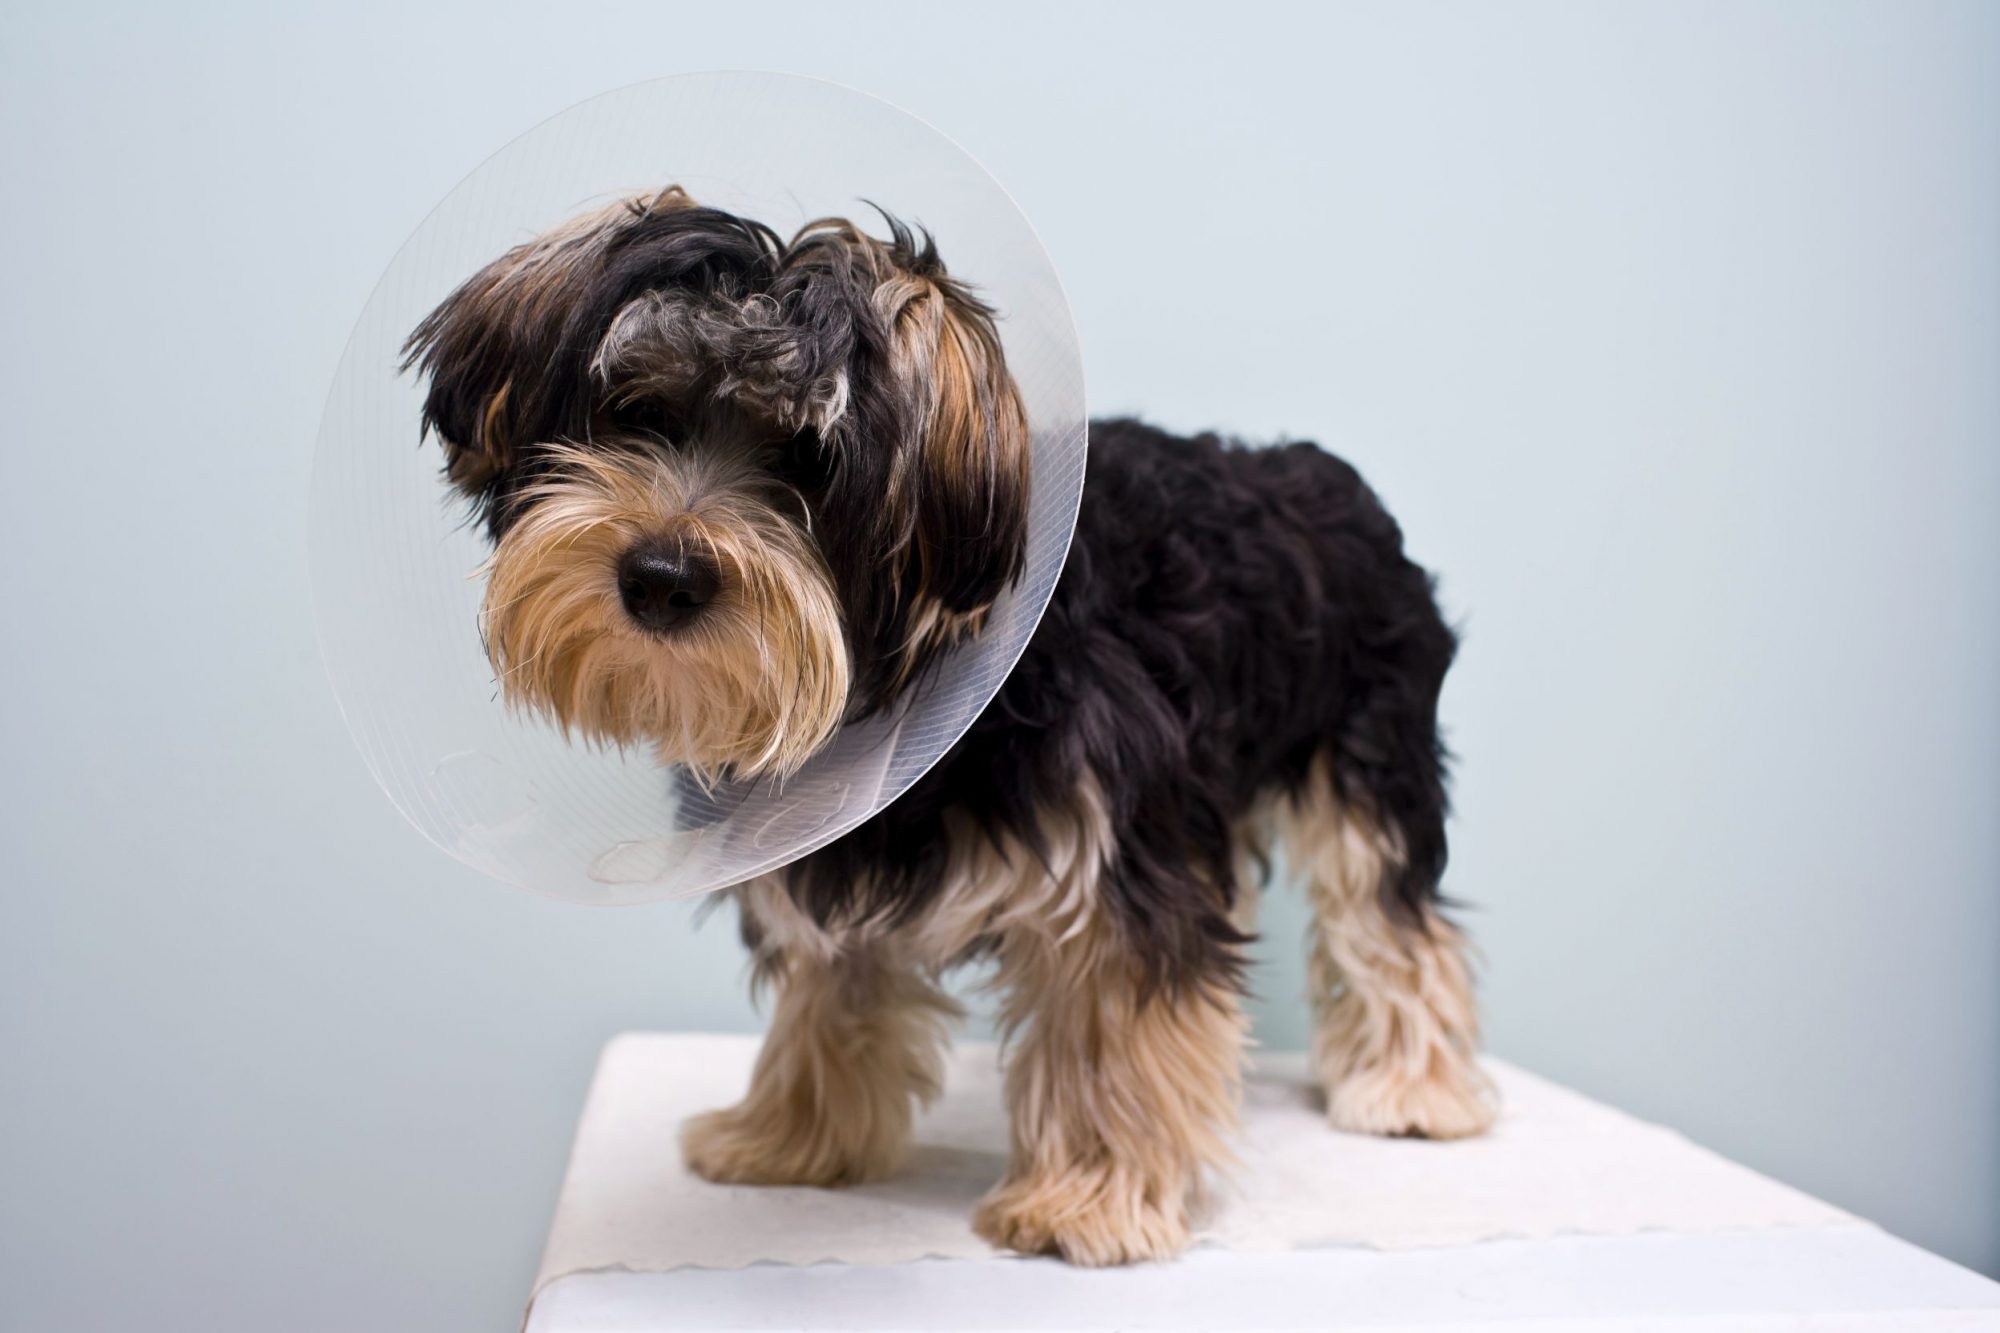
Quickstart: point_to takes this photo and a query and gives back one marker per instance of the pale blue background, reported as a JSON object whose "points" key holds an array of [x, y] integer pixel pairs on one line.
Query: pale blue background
{"points": [[1671, 332]]}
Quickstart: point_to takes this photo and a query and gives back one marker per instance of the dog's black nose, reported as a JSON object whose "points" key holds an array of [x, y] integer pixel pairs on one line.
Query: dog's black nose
{"points": [[664, 586]]}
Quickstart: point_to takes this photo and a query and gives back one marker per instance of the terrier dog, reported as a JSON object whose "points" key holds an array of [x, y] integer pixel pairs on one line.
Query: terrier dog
{"points": [[743, 490]]}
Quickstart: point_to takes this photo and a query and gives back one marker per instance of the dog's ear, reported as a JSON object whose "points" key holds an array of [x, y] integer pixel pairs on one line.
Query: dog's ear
{"points": [[509, 353], [468, 348], [932, 441], [486, 348], [970, 487]]}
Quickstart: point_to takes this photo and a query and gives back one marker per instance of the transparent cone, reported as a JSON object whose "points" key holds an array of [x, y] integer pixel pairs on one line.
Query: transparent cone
{"points": [[395, 562]]}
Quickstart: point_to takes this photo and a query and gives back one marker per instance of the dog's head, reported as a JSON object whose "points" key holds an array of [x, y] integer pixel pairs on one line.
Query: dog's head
{"points": [[740, 489]]}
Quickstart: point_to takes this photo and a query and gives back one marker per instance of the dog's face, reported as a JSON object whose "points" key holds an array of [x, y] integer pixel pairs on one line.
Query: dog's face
{"points": [[740, 490]]}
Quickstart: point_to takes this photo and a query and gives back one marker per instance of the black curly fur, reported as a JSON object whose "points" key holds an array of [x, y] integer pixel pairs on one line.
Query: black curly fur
{"points": [[1227, 614]]}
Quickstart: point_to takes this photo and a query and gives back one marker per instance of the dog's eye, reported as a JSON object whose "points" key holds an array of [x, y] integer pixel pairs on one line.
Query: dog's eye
{"points": [[647, 415], [805, 461]]}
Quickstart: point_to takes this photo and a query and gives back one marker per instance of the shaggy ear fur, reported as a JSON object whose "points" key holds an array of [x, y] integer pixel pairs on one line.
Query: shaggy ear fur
{"points": [[508, 354], [971, 485], [930, 443]]}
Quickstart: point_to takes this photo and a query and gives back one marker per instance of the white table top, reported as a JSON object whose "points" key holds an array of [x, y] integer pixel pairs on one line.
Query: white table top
{"points": [[1475, 1250]]}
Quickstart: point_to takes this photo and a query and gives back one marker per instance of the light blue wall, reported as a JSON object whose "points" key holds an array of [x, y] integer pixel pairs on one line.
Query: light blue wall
{"points": [[1671, 332]]}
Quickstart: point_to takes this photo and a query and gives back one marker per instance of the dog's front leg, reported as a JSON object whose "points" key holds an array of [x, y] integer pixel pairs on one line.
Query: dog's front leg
{"points": [[1121, 1090], [855, 1044]]}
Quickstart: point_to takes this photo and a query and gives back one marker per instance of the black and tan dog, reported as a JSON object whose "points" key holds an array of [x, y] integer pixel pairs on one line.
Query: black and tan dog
{"points": [[743, 490]]}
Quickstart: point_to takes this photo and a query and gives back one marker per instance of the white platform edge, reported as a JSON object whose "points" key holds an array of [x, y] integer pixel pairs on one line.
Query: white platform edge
{"points": [[1837, 1278]]}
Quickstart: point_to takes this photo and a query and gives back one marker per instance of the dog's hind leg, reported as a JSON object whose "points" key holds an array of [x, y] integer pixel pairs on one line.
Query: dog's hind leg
{"points": [[856, 1043], [1395, 1023]]}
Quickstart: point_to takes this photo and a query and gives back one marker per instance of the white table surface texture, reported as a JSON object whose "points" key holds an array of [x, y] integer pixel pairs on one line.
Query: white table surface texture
{"points": [[1570, 1215]]}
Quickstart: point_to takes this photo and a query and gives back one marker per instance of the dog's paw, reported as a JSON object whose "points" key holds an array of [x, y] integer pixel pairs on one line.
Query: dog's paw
{"points": [[1093, 1219], [1452, 1099], [737, 1146]]}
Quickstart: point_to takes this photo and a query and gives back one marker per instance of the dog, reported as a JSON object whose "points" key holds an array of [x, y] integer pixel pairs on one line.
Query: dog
{"points": [[744, 489]]}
